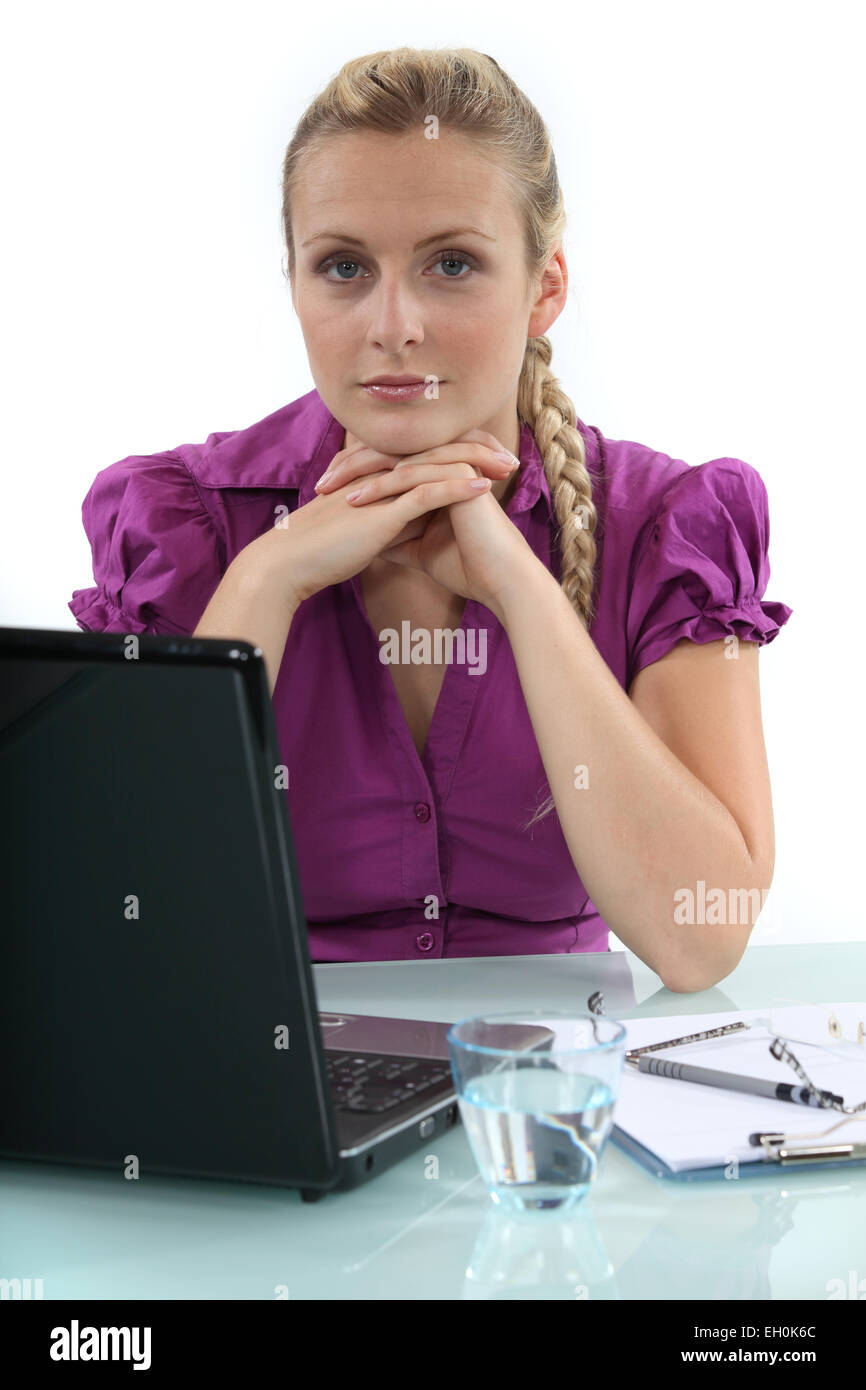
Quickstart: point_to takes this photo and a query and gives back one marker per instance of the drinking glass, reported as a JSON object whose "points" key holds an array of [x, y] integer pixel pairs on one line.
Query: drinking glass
{"points": [[537, 1091]]}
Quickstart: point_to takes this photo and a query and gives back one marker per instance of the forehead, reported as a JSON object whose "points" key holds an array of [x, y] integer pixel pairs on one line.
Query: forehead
{"points": [[372, 184]]}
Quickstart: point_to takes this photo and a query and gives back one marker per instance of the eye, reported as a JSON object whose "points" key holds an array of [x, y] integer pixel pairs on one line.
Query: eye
{"points": [[338, 260], [335, 261], [454, 258]]}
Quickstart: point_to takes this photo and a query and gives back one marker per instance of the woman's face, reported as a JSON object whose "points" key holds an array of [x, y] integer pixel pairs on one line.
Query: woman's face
{"points": [[458, 308]]}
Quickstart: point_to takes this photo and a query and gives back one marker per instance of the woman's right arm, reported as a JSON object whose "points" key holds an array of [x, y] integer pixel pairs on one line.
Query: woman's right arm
{"points": [[252, 603]]}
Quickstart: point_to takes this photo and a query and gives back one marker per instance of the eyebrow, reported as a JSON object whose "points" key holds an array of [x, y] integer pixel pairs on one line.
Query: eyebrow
{"points": [[437, 236]]}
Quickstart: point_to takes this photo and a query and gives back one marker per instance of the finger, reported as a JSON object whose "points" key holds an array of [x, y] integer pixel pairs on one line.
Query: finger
{"points": [[352, 463], [493, 462], [361, 463], [479, 456], [488, 459], [429, 496], [412, 531], [409, 462], [393, 481]]}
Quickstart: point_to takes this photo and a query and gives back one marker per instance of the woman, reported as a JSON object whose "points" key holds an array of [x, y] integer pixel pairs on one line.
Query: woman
{"points": [[449, 638]]}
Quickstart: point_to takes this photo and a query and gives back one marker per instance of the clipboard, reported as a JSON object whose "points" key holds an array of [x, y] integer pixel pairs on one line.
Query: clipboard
{"points": [[659, 1120], [761, 1167]]}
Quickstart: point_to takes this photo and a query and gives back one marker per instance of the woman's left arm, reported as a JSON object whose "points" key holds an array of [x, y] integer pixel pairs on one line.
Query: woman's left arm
{"points": [[656, 789]]}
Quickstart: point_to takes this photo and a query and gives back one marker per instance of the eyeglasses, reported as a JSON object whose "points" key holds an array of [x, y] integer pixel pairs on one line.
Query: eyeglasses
{"points": [[841, 1032]]}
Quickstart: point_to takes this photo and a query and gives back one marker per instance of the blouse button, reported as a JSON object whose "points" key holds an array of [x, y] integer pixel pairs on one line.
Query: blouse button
{"points": [[424, 942], [422, 812]]}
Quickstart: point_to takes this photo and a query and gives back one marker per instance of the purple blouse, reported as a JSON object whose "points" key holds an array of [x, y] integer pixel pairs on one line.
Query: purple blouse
{"points": [[400, 856]]}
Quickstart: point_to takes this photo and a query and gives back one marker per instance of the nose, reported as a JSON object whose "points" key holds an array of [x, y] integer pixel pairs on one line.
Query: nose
{"points": [[394, 316]]}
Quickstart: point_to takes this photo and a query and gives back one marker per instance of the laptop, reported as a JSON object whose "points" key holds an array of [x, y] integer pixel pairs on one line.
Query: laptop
{"points": [[157, 994]]}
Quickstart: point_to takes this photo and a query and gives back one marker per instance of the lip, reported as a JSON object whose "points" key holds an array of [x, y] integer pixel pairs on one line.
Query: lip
{"points": [[393, 381], [409, 390]]}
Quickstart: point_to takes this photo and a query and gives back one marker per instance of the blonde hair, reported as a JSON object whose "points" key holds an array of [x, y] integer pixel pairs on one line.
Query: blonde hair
{"points": [[399, 90]]}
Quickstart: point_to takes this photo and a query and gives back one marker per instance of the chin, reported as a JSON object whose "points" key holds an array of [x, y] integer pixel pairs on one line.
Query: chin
{"points": [[397, 436]]}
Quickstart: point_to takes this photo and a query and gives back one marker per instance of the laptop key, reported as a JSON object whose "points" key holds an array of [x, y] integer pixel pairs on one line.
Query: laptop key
{"points": [[370, 1106], [372, 1083]]}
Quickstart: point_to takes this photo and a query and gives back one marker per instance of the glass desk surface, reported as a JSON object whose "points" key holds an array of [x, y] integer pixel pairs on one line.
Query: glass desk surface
{"points": [[411, 1235]]}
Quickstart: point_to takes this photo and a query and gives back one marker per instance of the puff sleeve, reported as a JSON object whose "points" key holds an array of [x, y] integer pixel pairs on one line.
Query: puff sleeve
{"points": [[155, 549], [702, 565]]}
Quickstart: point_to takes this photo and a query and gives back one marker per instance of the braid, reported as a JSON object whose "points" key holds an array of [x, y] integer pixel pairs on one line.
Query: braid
{"points": [[547, 410]]}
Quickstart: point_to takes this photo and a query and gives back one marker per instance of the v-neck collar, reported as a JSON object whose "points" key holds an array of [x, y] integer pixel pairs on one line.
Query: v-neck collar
{"points": [[435, 767]]}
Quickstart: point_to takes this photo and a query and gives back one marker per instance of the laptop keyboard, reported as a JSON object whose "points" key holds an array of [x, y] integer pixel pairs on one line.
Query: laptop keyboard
{"points": [[371, 1082]]}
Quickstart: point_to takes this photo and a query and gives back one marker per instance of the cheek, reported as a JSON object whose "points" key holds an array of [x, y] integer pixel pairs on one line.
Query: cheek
{"points": [[322, 321], [482, 322], [488, 348], [326, 337], [474, 337]]}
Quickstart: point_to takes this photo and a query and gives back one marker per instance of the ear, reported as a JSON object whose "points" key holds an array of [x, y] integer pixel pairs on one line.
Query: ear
{"points": [[552, 295]]}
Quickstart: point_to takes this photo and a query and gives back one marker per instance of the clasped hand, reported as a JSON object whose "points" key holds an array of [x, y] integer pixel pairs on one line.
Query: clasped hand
{"points": [[471, 547]]}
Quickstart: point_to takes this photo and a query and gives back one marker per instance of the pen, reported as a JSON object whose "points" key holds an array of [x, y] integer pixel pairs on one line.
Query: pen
{"points": [[731, 1081], [635, 1052]]}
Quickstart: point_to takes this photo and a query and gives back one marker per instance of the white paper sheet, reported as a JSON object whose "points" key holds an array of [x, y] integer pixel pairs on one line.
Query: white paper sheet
{"points": [[689, 1125]]}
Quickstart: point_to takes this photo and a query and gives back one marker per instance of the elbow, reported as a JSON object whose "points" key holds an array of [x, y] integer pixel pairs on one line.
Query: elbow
{"points": [[712, 949], [695, 984], [712, 959], [693, 977], [712, 955]]}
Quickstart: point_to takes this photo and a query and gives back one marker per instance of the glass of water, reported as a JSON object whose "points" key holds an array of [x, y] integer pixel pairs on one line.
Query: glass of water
{"points": [[537, 1092]]}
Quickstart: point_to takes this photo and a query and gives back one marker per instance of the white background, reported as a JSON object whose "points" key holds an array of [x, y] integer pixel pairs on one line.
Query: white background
{"points": [[711, 157]]}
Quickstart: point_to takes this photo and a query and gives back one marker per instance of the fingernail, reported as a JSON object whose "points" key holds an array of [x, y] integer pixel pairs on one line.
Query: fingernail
{"points": [[510, 460], [480, 482], [323, 478], [350, 497]]}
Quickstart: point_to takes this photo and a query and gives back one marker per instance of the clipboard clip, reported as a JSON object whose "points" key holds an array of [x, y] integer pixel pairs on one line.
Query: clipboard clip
{"points": [[779, 1149]]}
